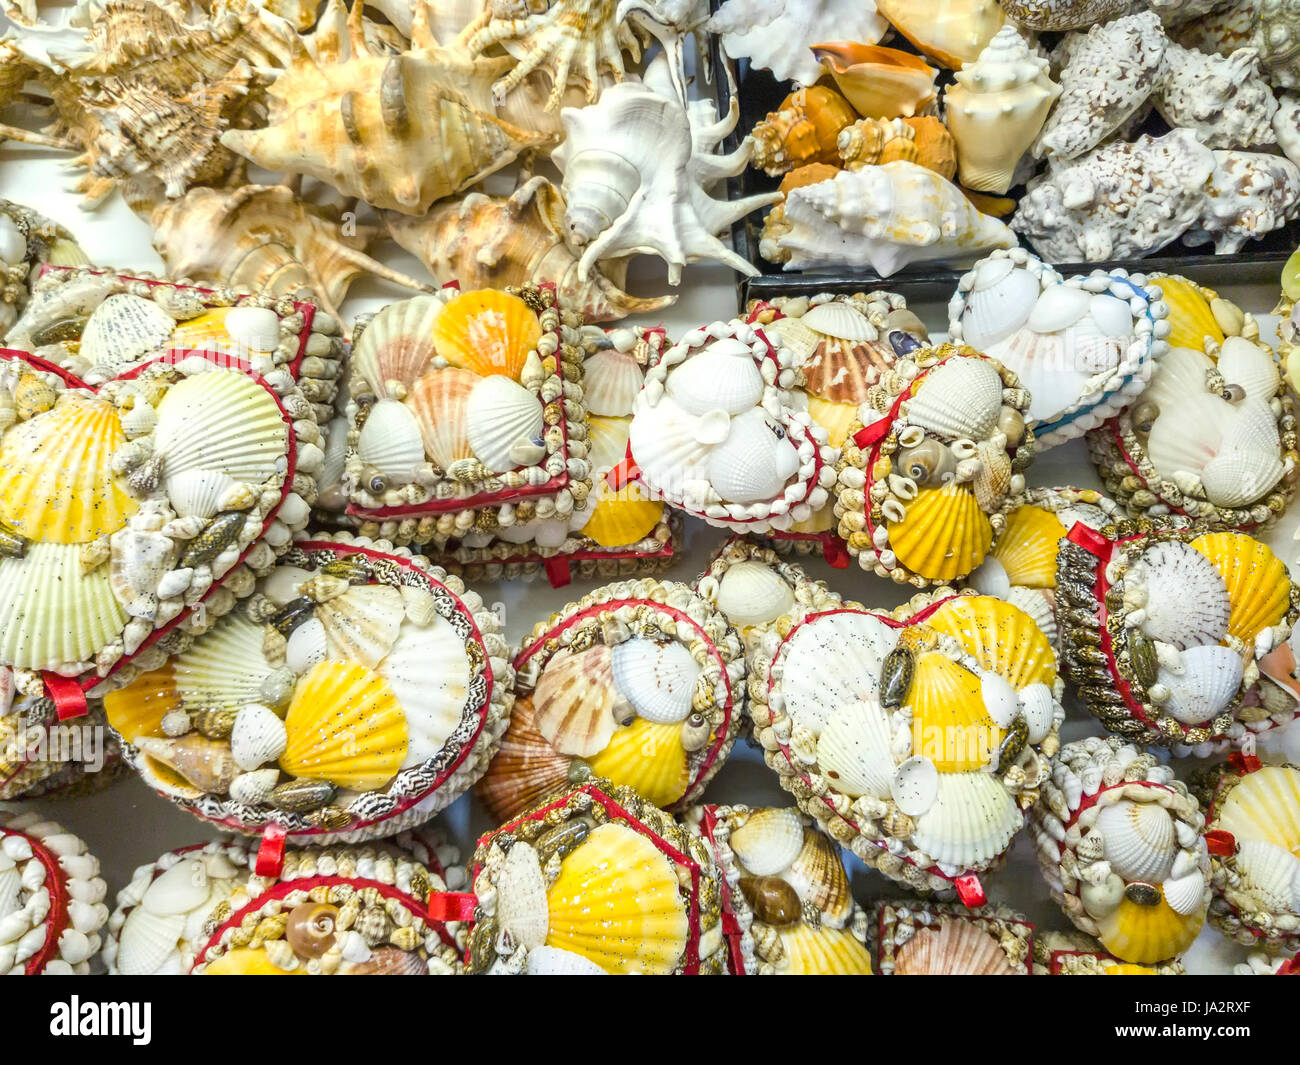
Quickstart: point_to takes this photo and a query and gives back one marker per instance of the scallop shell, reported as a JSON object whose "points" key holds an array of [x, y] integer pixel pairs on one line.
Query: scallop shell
{"points": [[361, 625], [612, 380], [1191, 320], [1188, 437], [751, 593], [391, 440], [648, 757], [53, 614], [853, 750], [944, 534], [755, 461], [670, 445], [1138, 840], [1237, 477], [656, 677], [1002, 638], [224, 668], [1145, 934], [198, 493], [1271, 873], [487, 332], [959, 399], [258, 737], [521, 910], [221, 420], [440, 399], [607, 443], [955, 948], [1186, 598], [56, 478], [551, 961], [245, 961], [1250, 365], [823, 951], [1259, 588], [616, 903], [344, 726], [526, 769], [999, 302], [1186, 894], [948, 701], [1028, 545], [395, 349], [818, 877], [576, 704], [915, 785], [1264, 805], [138, 709], [769, 841], [147, 941], [714, 379], [429, 673], [1209, 681], [620, 517], [972, 821], [833, 661], [499, 415], [838, 419]]}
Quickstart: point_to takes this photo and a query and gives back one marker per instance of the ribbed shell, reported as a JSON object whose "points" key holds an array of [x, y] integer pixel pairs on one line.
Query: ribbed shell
{"points": [[1146, 934], [958, 399], [428, 671], [1002, 637], [955, 948], [768, 841], [1139, 840], [498, 415], [823, 951], [612, 380], [224, 668], [1264, 805], [648, 757], [623, 517], [487, 332], [853, 750], [943, 535], [361, 625], [439, 400], [1028, 545], [1187, 599], [1259, 588], [948, 705], [138, 709], [575, 701], [833, 661], [1190, 318], [221, 420], [525, 770], [396, 346], [972, 821]]}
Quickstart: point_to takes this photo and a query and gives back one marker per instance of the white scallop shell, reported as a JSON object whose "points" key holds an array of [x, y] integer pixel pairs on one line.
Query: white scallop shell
{"points": [[612, 380], [1272, 873], [959, 399], [1111, 315], [1185, 894], [999, 303], [1187, 600], [552, 961], [1237, 477], [972, 821], [11, 883], [122, 330], [755, 461], [521, 907], [1179, 372], [769, 841], [224, 668], [990, 578], [428, 671], [361, 624], [179, 890], [1186, 438], [657, 678], [258, 737], [499, 415], [853, 750], [832, 661], [840, 320], [1208, 683], [711, 380], [669, 444], [1057, 308], [1138, 840], [391, 440], [914, 785], [198, 493], [1249, 365], [1038, 707], [751, 593], [306, 646], [254, 328], [147, 942]]}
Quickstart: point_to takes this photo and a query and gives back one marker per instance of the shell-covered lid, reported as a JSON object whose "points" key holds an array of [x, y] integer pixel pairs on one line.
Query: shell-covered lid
{"points": [[641, 682], [785, 884], [359, 910], [359, 691], [1120, 842], [1167, 631], [597, 880], [933, 939], [39, 755], [890, 728], [462, 409], [932, 464], [51, 898]]}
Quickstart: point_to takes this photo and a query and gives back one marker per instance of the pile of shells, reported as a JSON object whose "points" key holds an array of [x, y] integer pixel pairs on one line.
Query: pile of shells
{"points": [[28, 241], [39, 755]]}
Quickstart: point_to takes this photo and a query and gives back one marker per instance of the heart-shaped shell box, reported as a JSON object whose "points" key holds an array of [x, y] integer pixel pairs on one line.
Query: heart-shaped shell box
{"points": [[97, 324], [1252, 824], [640, 682], [1074, 954], [135, 513], [1021, 567], [1082, 347], [340, 910], [28, 240], [461, 413], [1120, 842], [785, 884], [716, 433], [618, 532], [39, 755], [51, 898], [932, 465], [1167, 631], [597, 880], [359, 691], [917, 738], [1213, 435], [933, 939]]}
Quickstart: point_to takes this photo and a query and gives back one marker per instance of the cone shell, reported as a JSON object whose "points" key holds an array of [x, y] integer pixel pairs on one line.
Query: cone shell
{"points": [[616, 903], [1139, 840], [525, 771], [576, 702], [138, 709], [1264, 805], [487, 332], [769, 841], [56, 479], [439, 400], [823, 951], [1190, 318], [943, 535], [221, 420], [1002, 637], [1145, 934], [1028, 545], [955, 948], [395, 349], [971, 822], [947, 701], [648, 757], [1259, 588], [345, 726]]}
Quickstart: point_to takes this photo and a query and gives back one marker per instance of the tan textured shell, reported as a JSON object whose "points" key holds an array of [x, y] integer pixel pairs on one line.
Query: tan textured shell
{"points": [[492, 242], [400, 131]]}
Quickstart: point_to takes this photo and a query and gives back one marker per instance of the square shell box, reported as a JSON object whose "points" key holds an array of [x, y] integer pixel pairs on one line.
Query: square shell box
{"points": [[924, 939], [98, 324], [596, 881], [461, 412], [394, 684]]}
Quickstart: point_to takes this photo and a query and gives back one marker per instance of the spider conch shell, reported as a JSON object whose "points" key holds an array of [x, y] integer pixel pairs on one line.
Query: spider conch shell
{"points": [[884, 217], [495, 242], [880, 82], [637, 167], [1224, 99], [400, 131], [954, 32], [265, 238], [996, 109]]}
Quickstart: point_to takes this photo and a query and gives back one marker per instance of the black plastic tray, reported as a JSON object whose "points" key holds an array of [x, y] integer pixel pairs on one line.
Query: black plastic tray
{"points": [[760, 92]]}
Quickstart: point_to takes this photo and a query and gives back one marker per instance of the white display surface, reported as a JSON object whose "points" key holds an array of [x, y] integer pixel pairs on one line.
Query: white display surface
{"points": [[128, 824]]}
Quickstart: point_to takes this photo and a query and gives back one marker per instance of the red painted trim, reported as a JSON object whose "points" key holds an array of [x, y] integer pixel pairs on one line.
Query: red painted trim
{"points": [[56, 921]]}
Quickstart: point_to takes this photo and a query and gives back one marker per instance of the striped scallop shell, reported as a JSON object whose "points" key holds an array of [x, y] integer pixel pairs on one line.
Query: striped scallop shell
{"points": [[948, 700], [823, 951], [818, 878], [955, 948], [1187, 600], [221, 420], [396, 347], [1271, 873], [1264, 805], [224, 668], [525, 770], [361, 624], [440, 400], [576, 705], [656, 676], [1028, 545], [487, 332]]}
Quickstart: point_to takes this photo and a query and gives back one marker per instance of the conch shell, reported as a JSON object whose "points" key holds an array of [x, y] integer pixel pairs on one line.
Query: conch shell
{"points": [[954, 32], [1038, 15], [804, 129], [495, 242], [880, 82], [925, 141], [1224, 99]]}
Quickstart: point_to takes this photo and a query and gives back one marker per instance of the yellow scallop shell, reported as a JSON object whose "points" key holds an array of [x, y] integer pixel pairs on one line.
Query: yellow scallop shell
{"points": [[956, 731], [247, 962], [201, 330], [1264, 805], [1259, 588], [943, 535], [1146, 934], [606, 442], [137, 710], [1027, 547], [616, 902], [836, 418], [1002, 637], [346, 726], [56, 478], [622, 517], [647, 756], [1126, 969], [823, 951], [1190, 317], [487, 332]]}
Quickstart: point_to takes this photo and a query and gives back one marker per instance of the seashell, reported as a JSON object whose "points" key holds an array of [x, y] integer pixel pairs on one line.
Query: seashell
{"points": [[56, 478], [804, 129], [612, 380], [943, 535], [1001, 637], [1187, 599], [138, 708], [879, 82], [750, 593], [1259, 588], [959, 398], [1225, 99], [1263, 805], [915, 786], [122, 331], [656, 677], [399, 131], [248, 962], [551, 961], [521, 908], [391, 440], [362, 624], [397, 345], [310, 929], [972, 820], [954, 34], [755, 461], [344, 726], [834, 661], [525, 770], [1271, 873], [1145, 933], [811, 951], [1207, 685], [440, 399], [258, 737], [1236, 477], [188, 766], [487, 332], [956, 947], [622, 517], [885, 217], [147, 942], [1249, 194], [576, 704], [997, 108], [1138, 839], [948, 700], [254, 788], [499, 415], [715, 378], [648, 757], [32, 395], [670, 445], [1190, 317], [769, 841], [1028, 546], [1250, 365], [773, 901], [429, 672], [778, 36], [182, 888], [1040, 15], [221, 420], [224, 669], [1000, 301], [198, 493], [818, 877], [616, 903]]}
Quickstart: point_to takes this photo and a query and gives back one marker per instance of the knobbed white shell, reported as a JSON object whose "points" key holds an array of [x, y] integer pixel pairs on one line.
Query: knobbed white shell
{"points": [[656, 677], [751, 593], [501, 414], [1138, 840], [769, 841]]}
